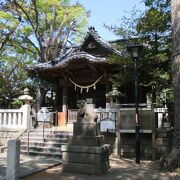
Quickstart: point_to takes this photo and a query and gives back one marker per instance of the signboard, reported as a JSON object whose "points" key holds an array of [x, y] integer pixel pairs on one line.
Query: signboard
{"points": [[107, 125], [44, 115]]}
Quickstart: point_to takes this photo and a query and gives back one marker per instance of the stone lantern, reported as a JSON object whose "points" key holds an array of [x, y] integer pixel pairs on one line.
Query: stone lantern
{"points": [[112, 98], [26, 98]]}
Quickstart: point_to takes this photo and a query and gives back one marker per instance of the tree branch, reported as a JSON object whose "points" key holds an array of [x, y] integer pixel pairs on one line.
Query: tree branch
{"points": [[26, 49], [36, 14], [38, 37], [26, 14], [32, 44], [2, 44]]}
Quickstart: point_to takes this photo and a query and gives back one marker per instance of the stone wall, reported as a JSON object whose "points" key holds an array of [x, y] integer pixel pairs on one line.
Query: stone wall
{"points": [[163, 143], [126, 147], [6, 135]]}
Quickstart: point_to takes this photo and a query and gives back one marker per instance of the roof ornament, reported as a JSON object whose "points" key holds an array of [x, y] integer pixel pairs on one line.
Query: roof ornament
{"points": [[91, 28], [85, 87]]}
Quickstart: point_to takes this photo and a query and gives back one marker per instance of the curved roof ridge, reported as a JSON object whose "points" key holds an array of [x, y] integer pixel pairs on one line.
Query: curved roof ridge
{"points": [[94, 34], [66, 60]]}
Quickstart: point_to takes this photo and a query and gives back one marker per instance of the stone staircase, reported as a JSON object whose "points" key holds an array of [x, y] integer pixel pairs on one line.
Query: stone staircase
{"points": [[50, 146]]}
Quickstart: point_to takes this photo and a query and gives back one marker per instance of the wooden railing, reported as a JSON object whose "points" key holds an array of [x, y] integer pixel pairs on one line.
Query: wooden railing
{"points": [[124, 117], [72, 116], [102, 114], [107, 114]]}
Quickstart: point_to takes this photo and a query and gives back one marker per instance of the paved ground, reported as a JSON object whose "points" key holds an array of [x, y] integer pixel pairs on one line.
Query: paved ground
{"points": [[124, 169], [29, 164], [43, 168]]}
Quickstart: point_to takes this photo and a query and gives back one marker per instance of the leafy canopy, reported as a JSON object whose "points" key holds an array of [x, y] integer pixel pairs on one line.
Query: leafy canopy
{"points": [[152, 28], [41, 28], [34, 31]]}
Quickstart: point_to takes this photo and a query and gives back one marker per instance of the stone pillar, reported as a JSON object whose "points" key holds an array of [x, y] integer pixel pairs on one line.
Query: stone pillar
{"points": [[13, 158], [86, 152], [27, 119]]}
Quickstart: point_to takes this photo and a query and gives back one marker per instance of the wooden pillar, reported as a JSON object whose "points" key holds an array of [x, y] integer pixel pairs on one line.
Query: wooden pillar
{"points": [[108, 88], [64, 99], [62, 116], [58, 96]]}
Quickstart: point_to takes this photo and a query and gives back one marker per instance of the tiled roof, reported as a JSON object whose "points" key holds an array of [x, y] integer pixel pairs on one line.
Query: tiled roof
{"points": [[78, 53], [73, 55], [92, 33]]}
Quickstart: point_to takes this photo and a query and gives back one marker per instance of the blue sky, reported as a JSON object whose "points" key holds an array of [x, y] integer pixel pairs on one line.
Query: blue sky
{"points": [[109, 12]]}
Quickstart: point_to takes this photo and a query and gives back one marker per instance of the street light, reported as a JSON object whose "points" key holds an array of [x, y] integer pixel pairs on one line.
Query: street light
{"points": [[135, 51]]}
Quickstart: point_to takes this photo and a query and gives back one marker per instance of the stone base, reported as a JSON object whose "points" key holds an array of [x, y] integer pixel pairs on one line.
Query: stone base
{"points": [[86, 140], [84, 159], [95, 169], [86, 129], [86, 152]]}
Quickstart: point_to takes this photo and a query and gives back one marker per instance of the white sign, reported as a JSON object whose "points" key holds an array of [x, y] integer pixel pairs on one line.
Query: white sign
{"points": [[107, 125], [44, 115]]}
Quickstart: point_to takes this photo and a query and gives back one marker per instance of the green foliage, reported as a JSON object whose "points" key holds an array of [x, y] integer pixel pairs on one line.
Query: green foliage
{"points": [[12, 78], [152, 28], [42, 28], [16, 103], [34, 31], [125, 71], [178, 171]]}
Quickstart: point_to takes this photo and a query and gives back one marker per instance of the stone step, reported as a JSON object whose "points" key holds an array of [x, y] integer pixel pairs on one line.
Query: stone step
{"points": [[49, 131], [46, 134], [41, 149], [43, 144], [37, 153], [40, 139], [50, 146]]}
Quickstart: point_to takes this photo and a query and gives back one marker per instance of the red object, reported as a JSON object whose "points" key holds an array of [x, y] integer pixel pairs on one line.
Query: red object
{"points": [[61, 119]]}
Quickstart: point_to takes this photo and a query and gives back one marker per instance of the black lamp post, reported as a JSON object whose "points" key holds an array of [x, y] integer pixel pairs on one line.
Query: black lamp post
{"points": [[135, 51]]}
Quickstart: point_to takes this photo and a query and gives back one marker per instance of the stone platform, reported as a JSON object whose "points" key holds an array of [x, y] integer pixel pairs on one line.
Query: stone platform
{"points": [[86, 152]]}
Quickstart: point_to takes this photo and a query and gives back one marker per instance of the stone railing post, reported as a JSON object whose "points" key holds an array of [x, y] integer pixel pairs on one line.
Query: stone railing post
{"points": [[13, 158], [27, 120]]}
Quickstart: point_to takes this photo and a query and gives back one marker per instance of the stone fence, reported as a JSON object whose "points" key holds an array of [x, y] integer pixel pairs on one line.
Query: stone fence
{"points": [[16, 118], [13, 122]]}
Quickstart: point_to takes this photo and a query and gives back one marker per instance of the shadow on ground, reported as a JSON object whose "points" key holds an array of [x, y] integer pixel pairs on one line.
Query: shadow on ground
{"points": [[125, 169]]}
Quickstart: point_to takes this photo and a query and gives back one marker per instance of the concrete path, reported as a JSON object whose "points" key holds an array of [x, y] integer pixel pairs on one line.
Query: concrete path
{"points": [[29, 164]]}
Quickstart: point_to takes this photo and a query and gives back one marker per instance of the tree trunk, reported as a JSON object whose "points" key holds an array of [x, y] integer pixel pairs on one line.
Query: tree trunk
{"points": [[173, 160], [41, 92], [40, 98]]}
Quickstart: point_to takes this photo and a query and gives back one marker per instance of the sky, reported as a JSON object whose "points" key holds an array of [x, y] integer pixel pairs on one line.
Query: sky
{"points": [[109, 12]]}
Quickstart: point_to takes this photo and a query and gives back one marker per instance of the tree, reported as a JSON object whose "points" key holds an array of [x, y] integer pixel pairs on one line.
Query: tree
{"points": [[12, 78], [173, 160], [152, 28], [40, 29]]}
